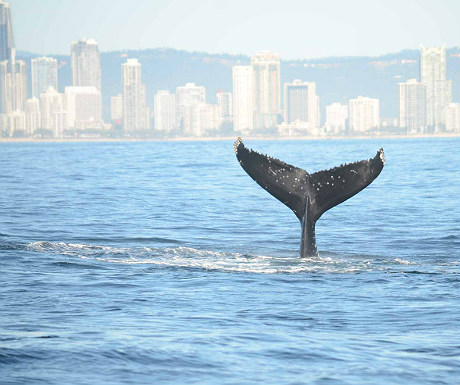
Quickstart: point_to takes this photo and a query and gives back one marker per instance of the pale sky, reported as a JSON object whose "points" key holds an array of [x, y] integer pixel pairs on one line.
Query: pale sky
{"points": [[291, 28]]}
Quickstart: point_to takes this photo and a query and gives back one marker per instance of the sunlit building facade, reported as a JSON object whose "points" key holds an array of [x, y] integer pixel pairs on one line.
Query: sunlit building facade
{"points": [[301, 103], [452, 117], [266, 89], [364, 114], [412, 106], [336, 118], [438, 93], [44, 75], [242, 99], [86, 64], [135, 113], [164, 112]]}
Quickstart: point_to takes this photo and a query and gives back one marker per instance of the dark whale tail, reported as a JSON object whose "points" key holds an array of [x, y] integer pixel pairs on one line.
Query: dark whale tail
{"points": [[308, 196]]}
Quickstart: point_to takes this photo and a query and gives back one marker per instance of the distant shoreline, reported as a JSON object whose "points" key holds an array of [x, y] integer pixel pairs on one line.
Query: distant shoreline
{"points": [[213, 139]]}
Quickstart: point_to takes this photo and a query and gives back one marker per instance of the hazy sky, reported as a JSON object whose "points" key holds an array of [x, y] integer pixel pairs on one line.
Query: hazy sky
{"points": [[292, 28]]}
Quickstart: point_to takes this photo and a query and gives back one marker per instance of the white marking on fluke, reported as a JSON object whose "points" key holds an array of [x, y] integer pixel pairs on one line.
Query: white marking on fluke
{"points": [[382, 155]]}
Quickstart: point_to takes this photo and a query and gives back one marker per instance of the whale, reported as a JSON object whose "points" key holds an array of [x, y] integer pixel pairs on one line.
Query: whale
{"points": [[309, 196]]}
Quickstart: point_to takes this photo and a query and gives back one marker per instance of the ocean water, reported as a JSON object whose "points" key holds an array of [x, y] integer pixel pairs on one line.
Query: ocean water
{"points": [[164, 263]]}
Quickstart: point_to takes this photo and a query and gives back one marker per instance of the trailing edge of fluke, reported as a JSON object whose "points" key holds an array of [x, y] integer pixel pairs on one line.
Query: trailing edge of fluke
{"points": [[308, 195]]}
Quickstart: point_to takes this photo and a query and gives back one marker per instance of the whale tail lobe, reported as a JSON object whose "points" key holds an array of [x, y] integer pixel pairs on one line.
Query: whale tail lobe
{"points": [[308, 195]]}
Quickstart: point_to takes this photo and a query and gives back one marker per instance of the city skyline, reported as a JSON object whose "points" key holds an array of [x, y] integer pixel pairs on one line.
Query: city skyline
{"points": [[254, 104]]}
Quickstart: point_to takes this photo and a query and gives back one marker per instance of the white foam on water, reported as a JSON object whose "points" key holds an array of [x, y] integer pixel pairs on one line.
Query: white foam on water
{"points": [[187, 257], [403, 261]]}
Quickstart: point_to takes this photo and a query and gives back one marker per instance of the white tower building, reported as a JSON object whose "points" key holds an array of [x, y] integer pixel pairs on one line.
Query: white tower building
{"points": [[86, 64], [412, 104], [83, 106], [44, 74], [165, 112], [6, 88], [242, 99], [266, 89], [51, 103], [453, 117], [336, 118], [224, 101], [364, 114], [134, 105], [32, 111], [116, 107], [186, 97], [301, 104], [433, 76]]}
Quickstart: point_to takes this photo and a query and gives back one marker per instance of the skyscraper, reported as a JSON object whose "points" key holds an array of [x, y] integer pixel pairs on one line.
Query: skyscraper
{"points": [[266, 89], [6, 34], [51, 104], [224, 101], [13, 86], [116, 107], [336, 118], [19, 85], [134, 105], [165, 112], [453, 117], [8, 100], [186, 97], [364, 114], [433, 76], [201, 119], [32, 112], [86, 64], [44, 75], [6, 88], [301, 103], [83, 107], [412, 104], [242, 99]]}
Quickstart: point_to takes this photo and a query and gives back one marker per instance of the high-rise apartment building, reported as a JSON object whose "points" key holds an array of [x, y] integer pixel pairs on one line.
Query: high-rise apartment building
{"points": [[301, 103], [242, 99], [20, 85], [44, 75], [51, 103], [433, 76], [412, 104], [135, 115], [364, 114], [16, 122], [116, 107], [13, 76], [224, 101], [32, 113], [6, 34], [13, 86], [83, 107], [336, 118], [203, 119], [266, 89], [165, 112], [86, 64], [452, 117], [6, 89], [186, 97]]}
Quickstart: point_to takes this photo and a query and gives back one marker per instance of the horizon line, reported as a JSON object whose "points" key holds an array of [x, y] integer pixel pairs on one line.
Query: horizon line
{"points": [[235, 55]]}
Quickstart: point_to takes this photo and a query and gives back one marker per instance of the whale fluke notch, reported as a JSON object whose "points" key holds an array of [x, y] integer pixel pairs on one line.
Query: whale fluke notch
{"points": [[308, 196]]}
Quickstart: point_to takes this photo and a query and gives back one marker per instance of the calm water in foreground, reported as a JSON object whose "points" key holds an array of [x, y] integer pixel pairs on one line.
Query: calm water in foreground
{"points": [[164, 263]]}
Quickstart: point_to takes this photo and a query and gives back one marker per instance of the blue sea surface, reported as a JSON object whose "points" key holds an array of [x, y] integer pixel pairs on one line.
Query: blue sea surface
{"points": [[164, 263]]}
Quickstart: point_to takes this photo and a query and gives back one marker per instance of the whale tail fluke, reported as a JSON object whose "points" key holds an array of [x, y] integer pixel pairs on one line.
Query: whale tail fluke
{"points": [[308, 195]]}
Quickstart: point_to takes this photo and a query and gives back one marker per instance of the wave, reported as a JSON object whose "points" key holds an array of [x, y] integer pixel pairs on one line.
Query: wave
{"points": [[188, 257]]}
